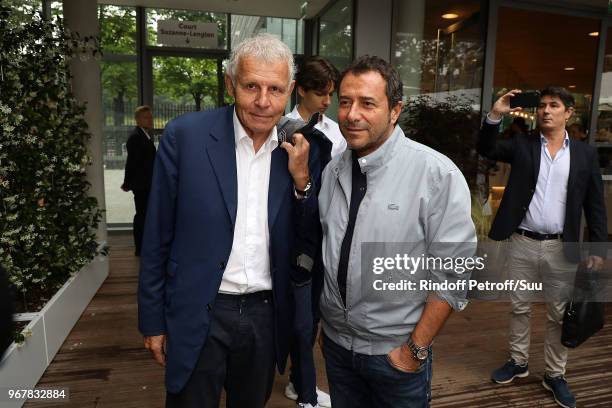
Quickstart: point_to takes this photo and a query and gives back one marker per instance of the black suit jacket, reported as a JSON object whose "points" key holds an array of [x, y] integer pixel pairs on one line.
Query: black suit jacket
{"points": [[584, 189], [140, 160]]}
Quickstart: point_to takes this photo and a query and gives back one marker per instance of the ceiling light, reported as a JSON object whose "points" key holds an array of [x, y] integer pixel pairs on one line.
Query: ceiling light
{"points": [[594, 34], [450, 16], [569, 68], [572, 86]]}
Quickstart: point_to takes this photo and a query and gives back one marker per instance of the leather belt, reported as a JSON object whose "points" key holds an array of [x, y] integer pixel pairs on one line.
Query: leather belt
{"points": [[537, 235]]}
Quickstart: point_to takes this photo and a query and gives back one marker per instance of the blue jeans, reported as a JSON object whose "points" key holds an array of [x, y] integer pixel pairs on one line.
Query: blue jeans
{"points": [[363, 381]]}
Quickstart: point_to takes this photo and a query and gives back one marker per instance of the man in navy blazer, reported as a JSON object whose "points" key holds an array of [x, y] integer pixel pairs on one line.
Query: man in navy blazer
{"points": [[232, 224]]}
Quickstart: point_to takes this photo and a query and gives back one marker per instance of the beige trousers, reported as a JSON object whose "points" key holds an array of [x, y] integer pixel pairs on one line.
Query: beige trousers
{"points": [[545, 262]]}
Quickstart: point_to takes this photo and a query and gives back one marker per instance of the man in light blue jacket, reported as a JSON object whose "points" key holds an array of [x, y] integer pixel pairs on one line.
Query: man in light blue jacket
{"points": [[387, 195]]}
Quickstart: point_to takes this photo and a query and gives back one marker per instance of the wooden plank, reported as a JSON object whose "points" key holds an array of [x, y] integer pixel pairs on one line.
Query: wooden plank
{"points": [[104, 364]]}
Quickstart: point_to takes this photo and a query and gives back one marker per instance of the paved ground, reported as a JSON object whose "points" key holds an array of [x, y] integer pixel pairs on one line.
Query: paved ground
{"points": [[119, 204]]}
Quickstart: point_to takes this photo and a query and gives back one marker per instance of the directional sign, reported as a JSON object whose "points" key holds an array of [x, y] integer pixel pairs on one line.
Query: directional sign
{"points": [[187, 34]]}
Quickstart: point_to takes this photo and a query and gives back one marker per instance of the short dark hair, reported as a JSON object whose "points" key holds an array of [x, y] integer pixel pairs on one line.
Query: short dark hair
{"points": [[315, 73], [368, 63], [566, 97]]}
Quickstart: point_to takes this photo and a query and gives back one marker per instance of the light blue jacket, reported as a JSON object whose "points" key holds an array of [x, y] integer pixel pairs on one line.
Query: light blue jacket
{"points": [[416, 198]]}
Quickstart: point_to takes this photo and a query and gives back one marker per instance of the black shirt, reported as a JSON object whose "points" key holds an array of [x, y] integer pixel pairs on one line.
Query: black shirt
{"points": [[358, 191]]}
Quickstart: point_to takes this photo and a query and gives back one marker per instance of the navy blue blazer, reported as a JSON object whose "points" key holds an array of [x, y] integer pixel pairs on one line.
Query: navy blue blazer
{"points": [[189, 233], [584, 187]]}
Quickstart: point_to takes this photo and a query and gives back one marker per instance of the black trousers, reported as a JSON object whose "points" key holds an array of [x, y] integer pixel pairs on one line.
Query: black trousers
{"points": [[141, 199], [303, 374], [238, 355]]}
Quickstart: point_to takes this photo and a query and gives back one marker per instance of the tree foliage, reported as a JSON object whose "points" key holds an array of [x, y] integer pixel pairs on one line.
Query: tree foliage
{"points": [[448, 125], [47, 218]]}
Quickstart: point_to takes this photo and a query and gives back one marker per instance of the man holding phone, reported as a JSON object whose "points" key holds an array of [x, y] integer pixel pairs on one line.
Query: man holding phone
{"points": [[552, 180]]}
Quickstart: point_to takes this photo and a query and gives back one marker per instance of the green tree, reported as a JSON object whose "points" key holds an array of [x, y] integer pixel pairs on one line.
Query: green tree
{"points": [[177, 77], [118, 37]]}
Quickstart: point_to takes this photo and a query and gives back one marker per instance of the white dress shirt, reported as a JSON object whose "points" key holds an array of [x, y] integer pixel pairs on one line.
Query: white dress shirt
{"points": [[329, 128], [248, 267], [546, 212], [145, 132]]}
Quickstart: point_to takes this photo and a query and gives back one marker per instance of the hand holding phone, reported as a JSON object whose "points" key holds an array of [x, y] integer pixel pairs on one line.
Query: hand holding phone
{"points": [[507, 104], [525, 100]]}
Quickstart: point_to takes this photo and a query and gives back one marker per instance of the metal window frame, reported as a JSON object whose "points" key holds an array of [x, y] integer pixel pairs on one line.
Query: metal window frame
{"points": [[317, 26]]}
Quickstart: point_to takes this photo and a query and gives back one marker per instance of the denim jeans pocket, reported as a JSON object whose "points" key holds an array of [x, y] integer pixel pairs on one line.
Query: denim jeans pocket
{"points": [[420, 369]]}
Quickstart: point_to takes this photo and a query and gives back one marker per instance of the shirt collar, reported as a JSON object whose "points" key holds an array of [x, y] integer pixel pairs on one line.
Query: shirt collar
{"points": [[240, 133], [383, 154], [565, 141], [145, 132], [295, 114]]}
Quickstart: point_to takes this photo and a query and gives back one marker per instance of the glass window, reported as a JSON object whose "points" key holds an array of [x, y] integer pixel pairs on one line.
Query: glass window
{"points": [[336, 34], [119, 81], [117, 29], [286, 29], [523, 34], [182, 84], [191, 35], [300, 37], [603, 137], [119, 100], [438, 49], [336, 40], [529, 57]]}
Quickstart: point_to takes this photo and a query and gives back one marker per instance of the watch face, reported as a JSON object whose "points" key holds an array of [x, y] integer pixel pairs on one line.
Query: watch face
{"points": [[422, 354]]}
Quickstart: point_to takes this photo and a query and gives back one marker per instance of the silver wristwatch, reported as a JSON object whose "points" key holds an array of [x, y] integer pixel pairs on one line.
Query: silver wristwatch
{"points": [[420, 353], [306, 191]]}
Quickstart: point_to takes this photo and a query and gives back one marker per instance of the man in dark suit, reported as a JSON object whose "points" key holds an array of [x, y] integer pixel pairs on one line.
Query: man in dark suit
{"points": [[553, 179], [139, 169], [232, 221]]}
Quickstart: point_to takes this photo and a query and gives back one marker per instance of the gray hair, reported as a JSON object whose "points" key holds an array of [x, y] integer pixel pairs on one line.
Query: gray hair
{"points": [[264, 47]]}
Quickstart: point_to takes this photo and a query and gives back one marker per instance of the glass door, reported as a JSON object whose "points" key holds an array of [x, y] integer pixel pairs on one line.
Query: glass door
{"points": [[184, 84], [528, 57]]}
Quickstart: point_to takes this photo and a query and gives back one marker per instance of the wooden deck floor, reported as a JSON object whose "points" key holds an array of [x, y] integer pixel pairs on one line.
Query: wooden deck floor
{"points": [[104, 365]]}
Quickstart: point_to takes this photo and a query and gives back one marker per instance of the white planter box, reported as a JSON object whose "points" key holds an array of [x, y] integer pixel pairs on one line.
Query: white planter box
{"points": [[22, 366]]}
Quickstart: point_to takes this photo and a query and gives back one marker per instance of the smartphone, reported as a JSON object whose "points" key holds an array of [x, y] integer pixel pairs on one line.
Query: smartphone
{"points": [[525, 100]]}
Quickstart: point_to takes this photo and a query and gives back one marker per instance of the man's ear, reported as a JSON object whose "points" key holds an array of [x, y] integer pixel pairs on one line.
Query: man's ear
{"points": [[229, 85], [291, 86], [301, 91], [396, 111]]}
